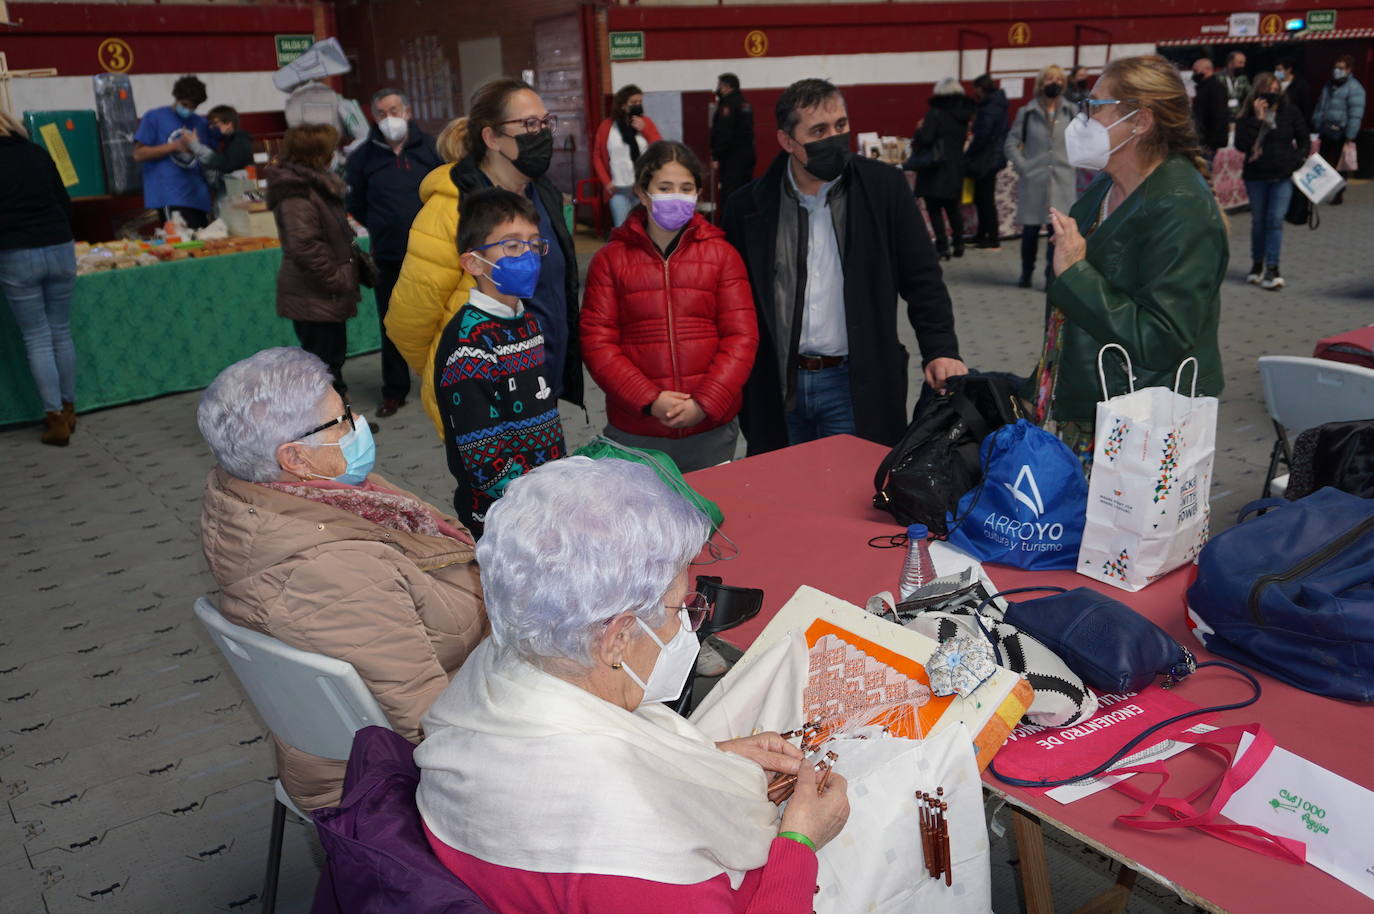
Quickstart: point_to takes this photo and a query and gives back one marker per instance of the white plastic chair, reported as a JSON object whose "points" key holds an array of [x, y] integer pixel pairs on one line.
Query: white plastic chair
{"points": [[1302, 393], [309, 701]]}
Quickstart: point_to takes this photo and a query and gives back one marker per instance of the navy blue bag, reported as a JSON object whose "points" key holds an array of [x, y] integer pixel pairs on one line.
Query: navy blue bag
{"points": [[1291, 593], [1029, 509]]}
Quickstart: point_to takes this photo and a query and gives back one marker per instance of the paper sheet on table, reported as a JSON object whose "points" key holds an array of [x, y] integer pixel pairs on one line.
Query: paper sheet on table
{"points": [[1295, 798]]}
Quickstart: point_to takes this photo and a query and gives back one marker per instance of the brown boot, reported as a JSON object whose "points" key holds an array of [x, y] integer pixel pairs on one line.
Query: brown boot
{"points": [[69, 414], [55, 430]]}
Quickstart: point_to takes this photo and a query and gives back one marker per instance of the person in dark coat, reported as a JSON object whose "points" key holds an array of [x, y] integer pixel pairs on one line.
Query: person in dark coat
{"points": [[38, 271], [1272, 135], [384, 176], [732, 136], [1295, 87], [985, 158], [317, 285], [941, 184], [1210, 113], [829, 241]]}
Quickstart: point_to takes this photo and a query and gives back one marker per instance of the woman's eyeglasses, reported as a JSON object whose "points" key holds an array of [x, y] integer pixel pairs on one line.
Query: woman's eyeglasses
{"points": [[697, 608], [514, 247], [548, 122], [346, 417], [1090, 106]]}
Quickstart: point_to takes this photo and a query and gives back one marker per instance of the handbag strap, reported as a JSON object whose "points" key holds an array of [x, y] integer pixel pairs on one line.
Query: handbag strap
{"points": [[1235, 776], [1261, 504], [1145, 734]]}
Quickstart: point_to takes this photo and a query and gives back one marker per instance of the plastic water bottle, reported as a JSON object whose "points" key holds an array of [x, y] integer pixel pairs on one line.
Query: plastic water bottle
{"points": [[918, 569]]}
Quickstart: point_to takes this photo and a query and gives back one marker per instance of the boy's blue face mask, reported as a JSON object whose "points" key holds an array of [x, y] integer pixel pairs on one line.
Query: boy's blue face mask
{"points": [[515, 276], [182, 111]]}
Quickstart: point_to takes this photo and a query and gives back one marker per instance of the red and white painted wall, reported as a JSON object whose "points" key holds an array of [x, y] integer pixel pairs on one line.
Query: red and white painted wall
{"points": [[887, 56], [231, 48]]}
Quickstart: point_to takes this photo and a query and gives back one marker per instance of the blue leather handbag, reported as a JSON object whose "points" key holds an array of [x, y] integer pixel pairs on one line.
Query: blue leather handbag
{"points": [[1291, 593], [1110, 646]]}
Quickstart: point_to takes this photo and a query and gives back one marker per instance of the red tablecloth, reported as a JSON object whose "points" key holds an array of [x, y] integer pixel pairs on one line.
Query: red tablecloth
{"points": [[803, 516]]}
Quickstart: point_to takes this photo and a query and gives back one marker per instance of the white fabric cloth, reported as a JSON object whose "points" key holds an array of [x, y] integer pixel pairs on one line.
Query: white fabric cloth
{"points": [[522, 769], [823, 329], [764, 694], [484, 302], [622, 166]]}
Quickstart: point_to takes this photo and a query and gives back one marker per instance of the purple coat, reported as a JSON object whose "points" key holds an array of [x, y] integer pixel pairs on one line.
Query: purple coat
{"points": [[378, 859]]}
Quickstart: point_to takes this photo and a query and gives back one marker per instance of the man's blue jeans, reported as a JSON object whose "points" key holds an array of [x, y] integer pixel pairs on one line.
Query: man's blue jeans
{"points": [[824, 405], [38, 283], [1268, 205]]}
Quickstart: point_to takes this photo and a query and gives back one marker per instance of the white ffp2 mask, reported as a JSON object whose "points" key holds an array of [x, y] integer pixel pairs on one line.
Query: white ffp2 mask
{"points": [[674, 663], [394, 129], [1088, 143]]}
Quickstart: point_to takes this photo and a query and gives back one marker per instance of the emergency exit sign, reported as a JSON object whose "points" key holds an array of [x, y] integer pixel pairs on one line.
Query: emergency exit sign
{"points": [[1321, 20], [289, 47], [627, 46]]}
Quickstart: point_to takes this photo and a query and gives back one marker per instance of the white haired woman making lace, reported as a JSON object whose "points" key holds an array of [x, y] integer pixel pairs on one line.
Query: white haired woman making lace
{"points": [[309, 546], [551, 776]]}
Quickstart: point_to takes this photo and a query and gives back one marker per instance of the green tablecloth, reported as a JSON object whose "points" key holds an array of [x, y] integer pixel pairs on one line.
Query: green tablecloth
{"points": [[148, 331]]}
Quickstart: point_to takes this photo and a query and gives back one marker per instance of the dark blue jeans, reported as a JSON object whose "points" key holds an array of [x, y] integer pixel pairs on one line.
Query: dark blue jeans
{"points": [[824, 407], [1030, 246], [1268, 204]]}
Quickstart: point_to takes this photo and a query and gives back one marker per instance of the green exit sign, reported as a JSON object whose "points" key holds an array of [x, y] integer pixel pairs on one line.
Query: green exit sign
{"points": [[1321, 20], [627, 46], [289, 47]]}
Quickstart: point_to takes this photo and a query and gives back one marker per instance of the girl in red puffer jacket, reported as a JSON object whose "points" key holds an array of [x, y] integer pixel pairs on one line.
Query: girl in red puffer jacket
{"points": [[668, 325]]}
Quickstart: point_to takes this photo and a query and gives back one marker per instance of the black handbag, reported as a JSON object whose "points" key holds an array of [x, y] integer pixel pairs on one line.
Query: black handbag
{"points": [[936, 461], [925, 156]]}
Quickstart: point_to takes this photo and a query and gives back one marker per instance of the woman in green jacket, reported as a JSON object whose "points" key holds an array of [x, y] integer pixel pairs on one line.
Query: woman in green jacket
{"points": [[1140, 258]]}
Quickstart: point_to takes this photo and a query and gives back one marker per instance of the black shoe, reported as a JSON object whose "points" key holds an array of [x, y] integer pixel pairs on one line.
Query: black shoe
{"points": [[958, 250], [373, 427], [942, 253], [989, 245], [1256, 272], [389, 407], [1272, 280], [1025, 282]]}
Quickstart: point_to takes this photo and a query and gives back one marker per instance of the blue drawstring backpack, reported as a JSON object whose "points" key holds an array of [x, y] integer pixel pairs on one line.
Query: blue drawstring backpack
{"points": [[1029, 509]]}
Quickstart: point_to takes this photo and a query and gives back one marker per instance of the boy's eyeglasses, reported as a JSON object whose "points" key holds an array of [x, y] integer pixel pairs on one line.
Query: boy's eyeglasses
{"points": [[514, 247]]}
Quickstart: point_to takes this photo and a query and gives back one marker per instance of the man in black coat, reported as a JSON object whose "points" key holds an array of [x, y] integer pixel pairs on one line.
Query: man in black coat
{"points": [[384, 176], [830, 240], [1295, 87], [1211, 114], [732, 136]]}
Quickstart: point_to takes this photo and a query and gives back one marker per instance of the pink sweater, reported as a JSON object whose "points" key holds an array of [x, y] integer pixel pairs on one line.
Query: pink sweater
{"points": [[785, 884]]}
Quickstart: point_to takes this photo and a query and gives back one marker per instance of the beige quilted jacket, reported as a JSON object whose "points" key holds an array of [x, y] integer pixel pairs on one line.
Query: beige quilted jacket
{"points": [[404, 608]]}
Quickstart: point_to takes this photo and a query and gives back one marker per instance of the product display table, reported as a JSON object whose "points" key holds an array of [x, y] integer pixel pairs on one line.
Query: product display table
{"points": [[147, 331], [803, 515]]}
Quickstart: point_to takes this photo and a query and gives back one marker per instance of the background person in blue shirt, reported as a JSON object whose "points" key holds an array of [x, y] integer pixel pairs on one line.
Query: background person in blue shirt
{"points": [[172, 179]]}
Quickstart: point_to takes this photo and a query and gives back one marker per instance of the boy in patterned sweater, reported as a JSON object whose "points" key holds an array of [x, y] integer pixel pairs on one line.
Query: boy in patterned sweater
{"points": [[500, 416]]}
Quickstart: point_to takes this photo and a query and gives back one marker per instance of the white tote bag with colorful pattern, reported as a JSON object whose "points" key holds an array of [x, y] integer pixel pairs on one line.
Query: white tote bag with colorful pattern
{"points": [[1151, 480]]}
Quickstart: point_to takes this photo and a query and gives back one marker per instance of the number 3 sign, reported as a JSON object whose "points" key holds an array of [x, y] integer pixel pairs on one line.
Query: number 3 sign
{"points": [[115, 55]]}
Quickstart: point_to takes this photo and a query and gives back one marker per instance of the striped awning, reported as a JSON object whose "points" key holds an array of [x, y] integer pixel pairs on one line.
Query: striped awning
{"points": [[1306, 35]]}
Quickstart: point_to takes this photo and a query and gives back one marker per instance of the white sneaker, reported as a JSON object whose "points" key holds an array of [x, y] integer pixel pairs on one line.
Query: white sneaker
{"points": [[709, 661], [1256, 273], [1272, 280]]}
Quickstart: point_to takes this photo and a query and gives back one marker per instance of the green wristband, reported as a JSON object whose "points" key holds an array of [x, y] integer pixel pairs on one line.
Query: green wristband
{"points": [[797, 837]]}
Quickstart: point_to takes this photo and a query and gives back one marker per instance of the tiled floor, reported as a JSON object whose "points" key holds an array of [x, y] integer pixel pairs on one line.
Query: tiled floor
{"points": [[137, 779]]}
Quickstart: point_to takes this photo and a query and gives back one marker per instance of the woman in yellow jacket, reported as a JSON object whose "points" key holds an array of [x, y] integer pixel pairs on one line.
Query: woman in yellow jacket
{"points": [[505, 141]]}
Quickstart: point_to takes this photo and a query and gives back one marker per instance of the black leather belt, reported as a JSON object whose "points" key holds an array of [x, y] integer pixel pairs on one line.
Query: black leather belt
{"points": [[817, 362]]}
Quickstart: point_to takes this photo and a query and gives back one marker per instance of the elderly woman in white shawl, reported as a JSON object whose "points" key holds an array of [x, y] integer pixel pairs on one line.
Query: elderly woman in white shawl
{"points": [[552, 776]]}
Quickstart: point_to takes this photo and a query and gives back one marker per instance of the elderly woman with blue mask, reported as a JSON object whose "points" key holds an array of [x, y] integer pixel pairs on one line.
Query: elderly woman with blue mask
{"points": [[308, 545], [552, 777]]}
